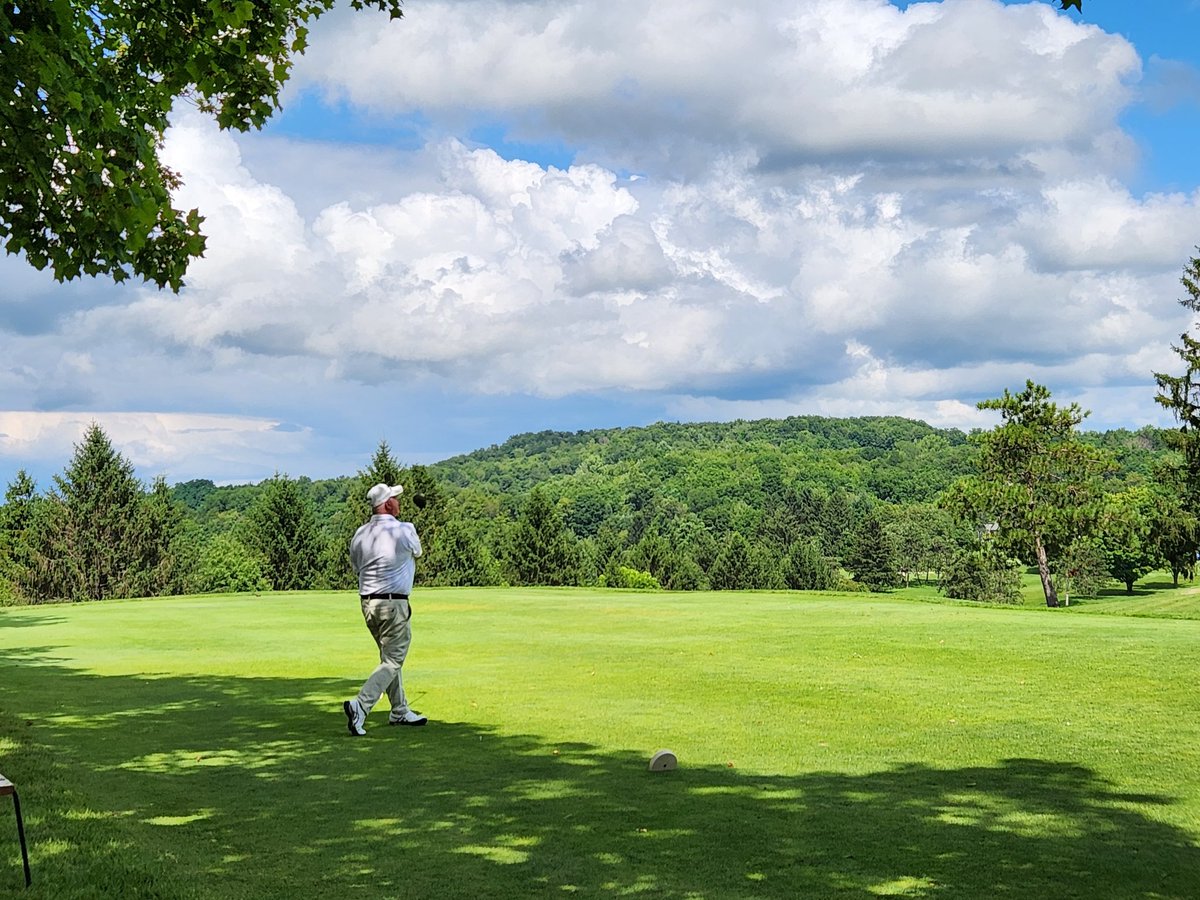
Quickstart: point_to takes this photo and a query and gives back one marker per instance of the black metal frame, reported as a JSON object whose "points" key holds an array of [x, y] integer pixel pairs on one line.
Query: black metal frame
{"points": [[7, 787]]}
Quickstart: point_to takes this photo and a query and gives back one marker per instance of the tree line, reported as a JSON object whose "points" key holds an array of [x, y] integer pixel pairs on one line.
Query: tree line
{"points": [[802, 503]]}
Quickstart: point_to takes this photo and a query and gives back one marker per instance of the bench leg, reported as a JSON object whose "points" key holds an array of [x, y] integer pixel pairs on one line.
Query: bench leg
{"points": [[21, 836]]}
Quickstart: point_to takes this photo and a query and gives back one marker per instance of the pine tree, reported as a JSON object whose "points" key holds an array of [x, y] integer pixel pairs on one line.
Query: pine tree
{"points": [[282, 527], [87, 544], [1037, 482], [1181, 395]]}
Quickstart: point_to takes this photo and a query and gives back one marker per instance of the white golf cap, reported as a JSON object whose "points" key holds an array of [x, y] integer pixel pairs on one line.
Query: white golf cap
{"points": [[381, 493]]}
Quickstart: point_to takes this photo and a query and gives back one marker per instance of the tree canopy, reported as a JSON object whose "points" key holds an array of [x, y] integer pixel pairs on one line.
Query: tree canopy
{"points": [[87, 87], [1038, 484]]}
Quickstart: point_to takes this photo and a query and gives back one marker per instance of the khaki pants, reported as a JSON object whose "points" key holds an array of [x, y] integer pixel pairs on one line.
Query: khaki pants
{"points": [[388, 623]]}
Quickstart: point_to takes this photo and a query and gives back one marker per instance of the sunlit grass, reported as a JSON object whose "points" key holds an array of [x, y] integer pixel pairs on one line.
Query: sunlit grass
{"points": [[829, 746]]}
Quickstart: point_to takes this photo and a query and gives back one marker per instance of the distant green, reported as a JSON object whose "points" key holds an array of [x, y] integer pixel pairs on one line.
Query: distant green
{"points": [[829, 746]]}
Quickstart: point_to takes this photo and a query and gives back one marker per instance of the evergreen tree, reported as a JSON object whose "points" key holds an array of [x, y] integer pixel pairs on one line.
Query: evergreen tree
{"points": [[1181, 395], [671, 566], [282, 528], [983, 574], [88, 544], [806, 568], [604, 550], [541, 549], [651, 554], [18, 516], [1038, 483], [1083, 569], [464, 560], [163, 559], [837, 525], [872, 558], [423, 503], [734, 568]]}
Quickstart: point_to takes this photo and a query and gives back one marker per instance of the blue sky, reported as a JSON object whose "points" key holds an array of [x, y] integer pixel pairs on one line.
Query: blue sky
{"points": [[490, 218]]}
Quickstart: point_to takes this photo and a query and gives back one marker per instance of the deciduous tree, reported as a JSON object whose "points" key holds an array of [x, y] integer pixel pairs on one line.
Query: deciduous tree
{"points": [[226, 564], [1126, 535], [85, 93]]}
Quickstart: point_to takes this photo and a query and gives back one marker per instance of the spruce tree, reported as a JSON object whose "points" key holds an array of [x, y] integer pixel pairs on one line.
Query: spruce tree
{"points": [[466, 562], [163, 557], [733, 569], [423, 504], [87, 547], [282, 527], [806, 569], [17, 519], [541, 549], [872, 558]]}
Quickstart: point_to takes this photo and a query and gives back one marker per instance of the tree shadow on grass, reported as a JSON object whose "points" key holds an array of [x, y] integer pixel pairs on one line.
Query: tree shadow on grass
{"points": [[30, 621], [244, 787]]}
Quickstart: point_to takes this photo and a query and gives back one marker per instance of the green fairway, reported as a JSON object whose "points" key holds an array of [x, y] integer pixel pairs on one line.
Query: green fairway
{"points": [[829, 746]]}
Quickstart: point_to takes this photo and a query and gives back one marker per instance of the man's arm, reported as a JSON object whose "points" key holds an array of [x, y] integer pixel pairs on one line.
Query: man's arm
{"points": [[414, 542]]}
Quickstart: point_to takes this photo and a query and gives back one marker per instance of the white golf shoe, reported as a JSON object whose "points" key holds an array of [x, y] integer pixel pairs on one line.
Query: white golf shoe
{"points": [[410, 717], [356, 716]]}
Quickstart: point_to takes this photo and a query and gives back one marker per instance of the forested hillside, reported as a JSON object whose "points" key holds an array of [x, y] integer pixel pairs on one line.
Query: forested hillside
{"points": [[891, 459], [803, 502]]}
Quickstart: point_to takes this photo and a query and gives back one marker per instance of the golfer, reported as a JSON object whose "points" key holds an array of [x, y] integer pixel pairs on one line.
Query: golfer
{"points": [[383, 553]]}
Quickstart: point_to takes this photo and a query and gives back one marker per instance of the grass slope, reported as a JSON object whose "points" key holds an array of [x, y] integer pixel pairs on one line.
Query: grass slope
{"points": [[829, 746]]}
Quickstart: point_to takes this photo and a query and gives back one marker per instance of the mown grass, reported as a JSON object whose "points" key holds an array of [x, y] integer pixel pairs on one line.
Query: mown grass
{"points": [[829, 746]]}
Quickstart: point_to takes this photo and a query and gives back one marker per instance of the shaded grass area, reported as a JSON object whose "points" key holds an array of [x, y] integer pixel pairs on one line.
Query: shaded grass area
{"points": [[829, 747]]}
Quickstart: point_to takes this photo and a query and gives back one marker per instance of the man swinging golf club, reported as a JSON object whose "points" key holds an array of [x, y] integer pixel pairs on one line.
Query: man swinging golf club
{"points": [[383, 553]]}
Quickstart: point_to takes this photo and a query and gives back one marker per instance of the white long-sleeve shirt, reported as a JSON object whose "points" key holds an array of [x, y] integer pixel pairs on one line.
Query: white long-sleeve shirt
{"points": [[383, 553]]}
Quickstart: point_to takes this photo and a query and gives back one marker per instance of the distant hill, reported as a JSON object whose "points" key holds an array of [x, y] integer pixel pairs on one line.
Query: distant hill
{"points": [[890, 458], [713, 469]]}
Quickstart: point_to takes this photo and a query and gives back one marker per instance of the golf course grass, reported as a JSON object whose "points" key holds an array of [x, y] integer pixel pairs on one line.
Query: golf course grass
{"points": [[829, 746]]}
